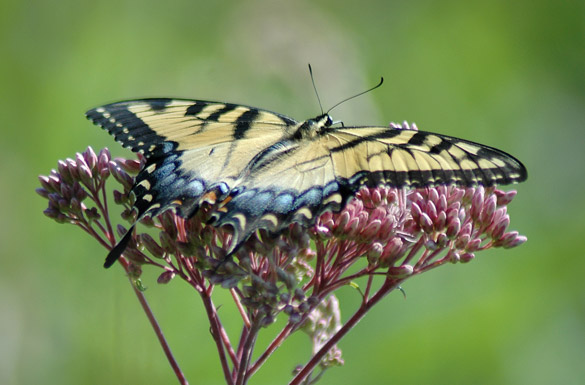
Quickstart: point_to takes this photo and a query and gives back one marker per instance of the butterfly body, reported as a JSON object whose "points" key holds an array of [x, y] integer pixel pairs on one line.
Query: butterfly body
{"points": [[276, 170]]}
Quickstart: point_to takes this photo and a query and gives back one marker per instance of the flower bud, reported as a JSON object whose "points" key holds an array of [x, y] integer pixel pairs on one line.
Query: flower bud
{"points": [[376, 197], [166, 242], [127, 215], [79, 192], [431, 245], [267, 320], [294, 317], [118, 197], [165, 277], [92, 214], [371, 229], [391, 251], [303, 307], [457, 195], [441, 220], [120, 175], [284, 298], [498, 215], [287, 278], [467, 257], [477, 203], [85, 175], [72, 167], [425, 223], [64, 171], [66, 191], [431, 210], [488, 211], [90, 158], [51, 213], [499, 229], [288, 309], [517, 241], [75, 205], [461, 241], [374, 252], [313, 300], [364, 194], [386, 226], [468, 195], [131, 166], [342, 222], [504, 198], [351, 228], [453, 256], [399, 272], [152, 246], [167, 220], [442, 203], [80, 160], [473, 245], [433, 196], [45, 183], [453, 227], [442, 240], [299, 294], [103, 167], [466, 229], [42, 192]]}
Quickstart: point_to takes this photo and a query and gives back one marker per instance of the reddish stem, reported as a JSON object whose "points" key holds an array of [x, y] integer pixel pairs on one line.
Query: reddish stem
{"points": [[216, 334], [284, 333], [158, 331], [243, 375], [386, 288]]}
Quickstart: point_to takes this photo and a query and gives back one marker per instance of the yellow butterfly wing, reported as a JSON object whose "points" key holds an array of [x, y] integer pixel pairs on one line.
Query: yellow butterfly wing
{"points": [[298, 180]]}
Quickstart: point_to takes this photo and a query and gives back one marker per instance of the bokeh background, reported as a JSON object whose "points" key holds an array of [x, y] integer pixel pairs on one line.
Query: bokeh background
{"points": [[507, 74]]}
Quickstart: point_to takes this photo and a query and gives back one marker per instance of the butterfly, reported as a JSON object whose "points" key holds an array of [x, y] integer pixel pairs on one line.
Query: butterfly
{"points": [[269, 170]]}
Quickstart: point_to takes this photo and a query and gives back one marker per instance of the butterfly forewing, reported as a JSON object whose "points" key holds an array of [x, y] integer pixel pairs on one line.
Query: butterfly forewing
{"points": [[399, 158]]}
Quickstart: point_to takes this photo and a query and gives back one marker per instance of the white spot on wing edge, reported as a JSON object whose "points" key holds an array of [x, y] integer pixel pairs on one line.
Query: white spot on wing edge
{"points": [[145, 183], [304, 211], [333, 198]]}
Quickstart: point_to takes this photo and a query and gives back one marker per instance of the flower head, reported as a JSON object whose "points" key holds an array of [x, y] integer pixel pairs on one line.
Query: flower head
{"points": [[382, 232]]}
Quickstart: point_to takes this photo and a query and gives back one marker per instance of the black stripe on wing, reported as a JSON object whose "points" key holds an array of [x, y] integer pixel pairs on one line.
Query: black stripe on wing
{"points": [[130, 130], [423, 159]]}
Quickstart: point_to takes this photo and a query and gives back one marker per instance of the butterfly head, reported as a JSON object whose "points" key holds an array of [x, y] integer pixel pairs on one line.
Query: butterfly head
{"points": [[312, 128]]}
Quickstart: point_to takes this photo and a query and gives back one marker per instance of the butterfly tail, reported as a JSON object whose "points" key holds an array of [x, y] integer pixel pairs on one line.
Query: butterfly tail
{"points": [[117, 251]]}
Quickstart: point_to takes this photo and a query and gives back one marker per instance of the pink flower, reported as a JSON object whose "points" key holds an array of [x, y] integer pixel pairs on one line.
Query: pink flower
{"points": [[388, 232]]}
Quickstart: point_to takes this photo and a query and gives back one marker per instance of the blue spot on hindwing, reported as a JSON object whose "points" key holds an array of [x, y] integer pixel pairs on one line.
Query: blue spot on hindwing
{"points": [[309, 198], [282, 204], [194, 189]]}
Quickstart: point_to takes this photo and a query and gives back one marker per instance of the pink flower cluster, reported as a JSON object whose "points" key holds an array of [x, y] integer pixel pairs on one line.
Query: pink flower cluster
{"points": [[383, 232]]}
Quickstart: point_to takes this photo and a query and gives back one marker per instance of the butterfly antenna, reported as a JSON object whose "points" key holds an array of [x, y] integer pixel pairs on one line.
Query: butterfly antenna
{"points": [[355, 96], [315, 88]]}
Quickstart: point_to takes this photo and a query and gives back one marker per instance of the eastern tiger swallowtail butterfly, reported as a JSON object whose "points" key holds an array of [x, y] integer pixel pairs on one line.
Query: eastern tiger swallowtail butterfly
{"points": [[273, 170]]}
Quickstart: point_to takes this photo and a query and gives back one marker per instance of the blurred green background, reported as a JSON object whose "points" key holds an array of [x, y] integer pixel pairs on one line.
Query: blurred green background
{"points": [[507, 74]]}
